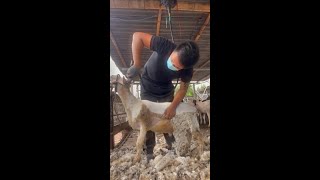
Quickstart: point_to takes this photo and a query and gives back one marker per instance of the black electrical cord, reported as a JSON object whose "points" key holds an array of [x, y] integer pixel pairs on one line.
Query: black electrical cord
{"points": [[170, 25], [169, 4]]}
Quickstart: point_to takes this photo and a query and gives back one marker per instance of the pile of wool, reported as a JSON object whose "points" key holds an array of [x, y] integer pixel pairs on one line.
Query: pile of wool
{"points": [[166, 165]]}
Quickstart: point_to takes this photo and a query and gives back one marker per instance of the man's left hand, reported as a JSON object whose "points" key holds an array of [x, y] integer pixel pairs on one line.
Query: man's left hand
{"points": [[170, 112]]}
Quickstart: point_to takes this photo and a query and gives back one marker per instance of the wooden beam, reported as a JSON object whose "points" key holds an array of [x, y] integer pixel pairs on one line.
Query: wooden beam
{"points": [[159, 21], [154, 4], [135, 4], [118, 50], [206, 22], [120, 3], [204, 77], [201, 66]]}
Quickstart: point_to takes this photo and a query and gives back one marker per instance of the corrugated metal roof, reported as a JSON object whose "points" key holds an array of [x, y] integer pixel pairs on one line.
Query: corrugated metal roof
{"points": [[185, 25]]}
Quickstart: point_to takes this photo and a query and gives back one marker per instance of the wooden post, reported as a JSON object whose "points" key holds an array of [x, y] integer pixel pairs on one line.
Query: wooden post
{"points": [[131, 89], [194, 91], [111, 122], [202, 28]]}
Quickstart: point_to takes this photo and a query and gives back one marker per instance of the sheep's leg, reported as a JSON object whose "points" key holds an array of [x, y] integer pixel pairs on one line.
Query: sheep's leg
{"points": [[198, 118], [201, 118], [139, 144], [196, 134], [199, 138], [204, 118]]}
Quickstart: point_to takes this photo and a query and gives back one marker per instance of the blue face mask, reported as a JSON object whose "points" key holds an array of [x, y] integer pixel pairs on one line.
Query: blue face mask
{"points": [[170, 65]]}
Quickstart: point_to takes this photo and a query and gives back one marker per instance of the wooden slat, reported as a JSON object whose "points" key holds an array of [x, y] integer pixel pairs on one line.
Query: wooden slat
{"points": [[204, 7], [206, 22], [155, 4], [151, 4], [120, 127], [111, 124], [118, 50], [112, 4], [121, 3], [135, 4], [159, 21], [180, 6], [119, 114]]}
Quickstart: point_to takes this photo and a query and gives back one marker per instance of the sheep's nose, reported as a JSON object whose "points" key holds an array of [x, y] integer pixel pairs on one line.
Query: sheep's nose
{"points": [[129, 80]]}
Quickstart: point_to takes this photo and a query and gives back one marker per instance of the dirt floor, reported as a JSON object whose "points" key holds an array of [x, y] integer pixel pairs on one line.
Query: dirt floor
{"points": [[166, 165]]}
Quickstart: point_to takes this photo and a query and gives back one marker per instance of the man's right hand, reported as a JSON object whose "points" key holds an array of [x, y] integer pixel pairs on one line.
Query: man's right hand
{"points": [[132, 72]]}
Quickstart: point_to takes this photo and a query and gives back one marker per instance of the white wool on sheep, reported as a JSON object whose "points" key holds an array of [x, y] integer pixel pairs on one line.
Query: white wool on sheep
{"points": [[159, 108]]}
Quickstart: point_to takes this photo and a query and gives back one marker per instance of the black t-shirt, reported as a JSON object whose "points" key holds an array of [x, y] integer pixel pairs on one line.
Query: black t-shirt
{"points": [[156, 79]]}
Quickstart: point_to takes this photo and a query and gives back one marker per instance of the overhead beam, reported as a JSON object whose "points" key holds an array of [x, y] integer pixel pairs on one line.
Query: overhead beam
{"points": [[196, 69], [205, 24], [118, 50], [159, 21], [154, 4], [201, 66], [204, 77]]}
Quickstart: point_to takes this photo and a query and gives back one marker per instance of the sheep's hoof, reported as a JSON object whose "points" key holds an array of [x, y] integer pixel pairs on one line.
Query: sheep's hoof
{"points": [[136, 159]]}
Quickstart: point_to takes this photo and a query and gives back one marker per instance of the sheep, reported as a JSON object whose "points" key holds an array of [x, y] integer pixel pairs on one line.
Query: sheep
{"points": [[145, 115], [203, 106]]}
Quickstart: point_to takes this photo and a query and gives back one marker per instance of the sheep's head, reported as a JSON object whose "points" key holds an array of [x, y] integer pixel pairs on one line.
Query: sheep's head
{"points": [[117, 79], [199, 101], [194, 102]]}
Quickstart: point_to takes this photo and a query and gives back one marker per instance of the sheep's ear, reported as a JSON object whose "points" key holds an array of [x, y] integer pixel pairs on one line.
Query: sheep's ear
{"points": [[125, 81], [194, 102], [113, 78]]}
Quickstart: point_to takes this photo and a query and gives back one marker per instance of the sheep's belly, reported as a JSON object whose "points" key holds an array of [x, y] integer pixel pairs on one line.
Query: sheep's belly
{"points": [[161, 125], [156, 124]]}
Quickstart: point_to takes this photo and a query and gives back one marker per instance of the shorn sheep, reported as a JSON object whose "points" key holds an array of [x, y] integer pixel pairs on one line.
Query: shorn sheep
{"points": [[145, 115], [203, 106]]}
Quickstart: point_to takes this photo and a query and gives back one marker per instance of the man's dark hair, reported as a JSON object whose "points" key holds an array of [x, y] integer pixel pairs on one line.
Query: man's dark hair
{"points": [[188, 53]]}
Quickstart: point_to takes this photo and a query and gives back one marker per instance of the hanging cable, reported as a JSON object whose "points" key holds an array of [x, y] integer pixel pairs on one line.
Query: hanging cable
{"points": [[169, 4], [170, 25]]}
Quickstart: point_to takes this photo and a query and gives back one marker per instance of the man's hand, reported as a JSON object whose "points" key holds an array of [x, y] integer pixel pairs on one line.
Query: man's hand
{"points": [[132, 72], [170, 112]]}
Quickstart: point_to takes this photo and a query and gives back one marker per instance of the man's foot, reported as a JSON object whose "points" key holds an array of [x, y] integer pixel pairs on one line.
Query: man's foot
{"points": [[169, 147], [149, 157]]}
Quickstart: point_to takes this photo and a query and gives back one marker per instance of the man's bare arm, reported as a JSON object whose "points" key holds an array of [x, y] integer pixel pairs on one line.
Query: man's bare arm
{"points": [[139, 41], [180, 94]]}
